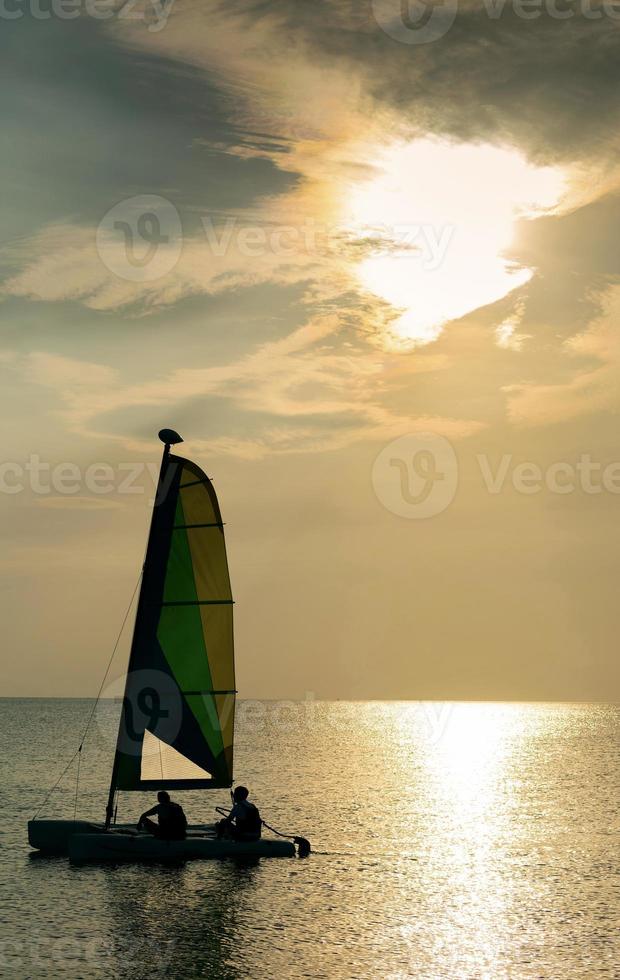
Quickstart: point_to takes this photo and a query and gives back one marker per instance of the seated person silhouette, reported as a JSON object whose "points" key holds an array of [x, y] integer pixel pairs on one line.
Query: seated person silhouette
{"points": [[243, 823], [172, 823]]}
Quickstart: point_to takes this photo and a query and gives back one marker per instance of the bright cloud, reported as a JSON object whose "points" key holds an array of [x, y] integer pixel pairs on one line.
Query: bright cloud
{"points": [[453, 207]]}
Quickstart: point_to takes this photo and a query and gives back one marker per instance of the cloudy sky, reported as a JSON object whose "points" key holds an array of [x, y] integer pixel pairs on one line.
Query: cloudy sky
{"points": [[364, 257]]}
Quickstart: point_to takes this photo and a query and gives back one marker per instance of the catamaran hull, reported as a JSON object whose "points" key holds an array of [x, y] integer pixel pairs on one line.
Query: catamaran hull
{"points": [[52, 836], [116, 847], [85, 841]]}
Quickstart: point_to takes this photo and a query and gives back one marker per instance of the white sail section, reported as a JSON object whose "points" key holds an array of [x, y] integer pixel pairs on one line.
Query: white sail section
{"points": [[161, 761]]}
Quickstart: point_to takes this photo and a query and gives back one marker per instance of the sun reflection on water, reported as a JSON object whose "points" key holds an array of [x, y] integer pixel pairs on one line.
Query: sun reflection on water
{"points": [[450, 842], [464, 810]]}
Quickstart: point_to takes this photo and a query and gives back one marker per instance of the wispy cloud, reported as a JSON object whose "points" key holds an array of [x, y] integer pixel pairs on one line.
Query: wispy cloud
{"points": [[292, 380], [595, 380]]}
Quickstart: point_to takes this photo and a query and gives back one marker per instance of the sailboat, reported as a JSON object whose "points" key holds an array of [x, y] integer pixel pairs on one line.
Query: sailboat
{"points": [[176, 729]]}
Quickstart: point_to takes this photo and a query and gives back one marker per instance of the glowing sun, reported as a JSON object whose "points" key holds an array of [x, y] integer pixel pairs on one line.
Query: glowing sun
{"points": [[442, 216]]}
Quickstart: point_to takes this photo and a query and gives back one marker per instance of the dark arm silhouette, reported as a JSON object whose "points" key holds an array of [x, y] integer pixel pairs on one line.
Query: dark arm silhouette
{"points": [[148, 813]]}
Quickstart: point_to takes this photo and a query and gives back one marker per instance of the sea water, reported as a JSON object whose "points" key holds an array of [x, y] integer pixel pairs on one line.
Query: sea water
{"points": [[450, 841]]}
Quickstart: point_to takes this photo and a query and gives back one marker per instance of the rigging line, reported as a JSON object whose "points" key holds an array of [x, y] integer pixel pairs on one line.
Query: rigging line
{"points": [[60, 778], [77, 783], [88, 723], [107, 670]]}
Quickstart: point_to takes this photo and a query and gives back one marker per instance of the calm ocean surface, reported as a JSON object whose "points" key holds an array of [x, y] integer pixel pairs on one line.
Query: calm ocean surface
{"points": [[464, 841]]}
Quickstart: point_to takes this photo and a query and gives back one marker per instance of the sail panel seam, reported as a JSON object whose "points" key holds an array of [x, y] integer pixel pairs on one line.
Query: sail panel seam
{"points": [[183, 527], [201, 602], [209, 692], [194, 483]]}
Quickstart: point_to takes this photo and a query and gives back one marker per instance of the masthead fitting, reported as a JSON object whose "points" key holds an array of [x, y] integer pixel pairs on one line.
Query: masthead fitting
{"points": [[170, 437]]}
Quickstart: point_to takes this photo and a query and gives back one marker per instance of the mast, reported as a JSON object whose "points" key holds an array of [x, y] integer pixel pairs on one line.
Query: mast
{"points": [[170, 438]]}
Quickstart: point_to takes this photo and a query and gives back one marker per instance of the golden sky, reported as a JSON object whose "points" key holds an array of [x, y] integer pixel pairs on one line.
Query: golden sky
{"points": [[372, 280]]}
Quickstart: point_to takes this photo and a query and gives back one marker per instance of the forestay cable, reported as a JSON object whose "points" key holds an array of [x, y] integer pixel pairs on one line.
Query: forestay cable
{"points": [[78, 751]]}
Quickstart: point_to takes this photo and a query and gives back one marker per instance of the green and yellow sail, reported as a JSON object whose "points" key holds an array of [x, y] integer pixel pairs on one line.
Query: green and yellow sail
{"points": [[177, 723]]}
